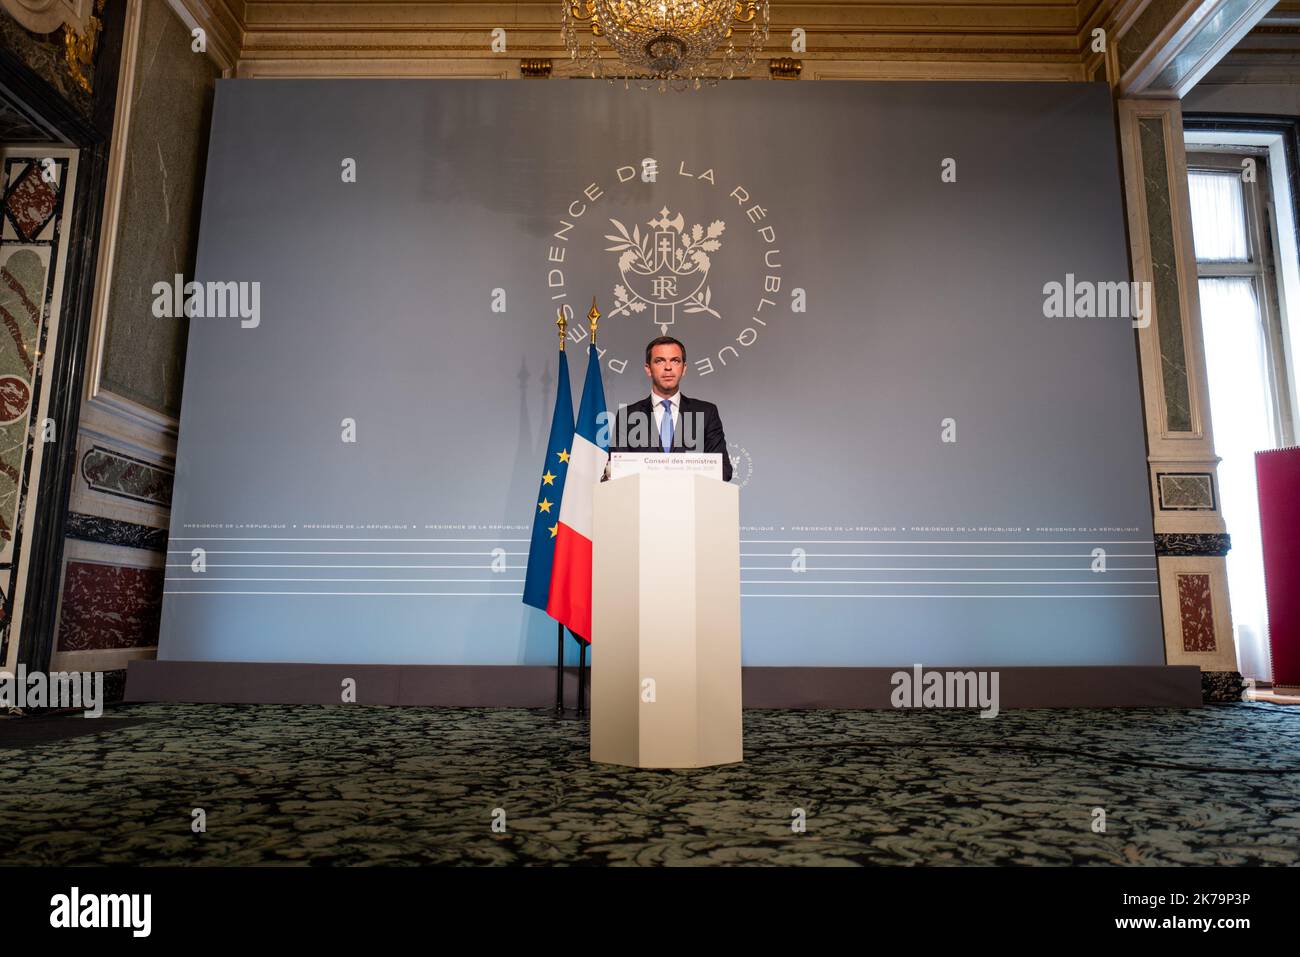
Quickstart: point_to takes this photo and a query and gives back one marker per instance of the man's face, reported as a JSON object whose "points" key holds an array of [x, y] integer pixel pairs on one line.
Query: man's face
{"points": [[666, 368]]}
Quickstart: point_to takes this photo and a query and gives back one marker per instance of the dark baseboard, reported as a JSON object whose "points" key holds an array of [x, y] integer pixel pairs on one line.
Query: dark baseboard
{"points": [[527, 686]]}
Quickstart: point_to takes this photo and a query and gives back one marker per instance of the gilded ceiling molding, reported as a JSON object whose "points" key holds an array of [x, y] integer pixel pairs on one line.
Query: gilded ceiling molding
{"points": [[1112, 18], [1052, 39], [372, 37], [948, 70], [370, 67]]}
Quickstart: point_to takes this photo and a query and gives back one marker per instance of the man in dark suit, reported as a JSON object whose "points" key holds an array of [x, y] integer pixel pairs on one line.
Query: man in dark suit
{"points": [[666, 420]]}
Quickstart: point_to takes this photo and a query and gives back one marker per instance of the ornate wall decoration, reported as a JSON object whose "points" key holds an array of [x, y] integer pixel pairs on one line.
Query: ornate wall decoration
{"points": [[1222, 687], [45, 54], [33, 198], [1192, 543], [1196, 610], [112, 531], [109, 606], [46, 16], [1186, 491], [784, 68], [1190, 535], [79, 46], [115, 473]]}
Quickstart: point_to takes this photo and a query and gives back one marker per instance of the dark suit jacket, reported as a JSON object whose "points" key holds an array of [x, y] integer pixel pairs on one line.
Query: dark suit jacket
{"points": [[708, 438]]}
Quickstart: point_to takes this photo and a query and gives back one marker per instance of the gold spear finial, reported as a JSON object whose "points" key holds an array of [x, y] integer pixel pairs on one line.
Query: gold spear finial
{"points": [[593, 317], [559, 321]]}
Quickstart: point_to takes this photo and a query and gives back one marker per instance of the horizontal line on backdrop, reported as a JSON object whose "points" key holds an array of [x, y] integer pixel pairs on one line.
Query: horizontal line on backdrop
{"points": [[930, 555], [467, 581], [937, 541], [751, 595], [502, 594], [743, 568], [1088, 555], [271, 565], [745, 581], [750, 581], [373, 594], [255, 538], [910, 568], [213, 551], [743, 541]]}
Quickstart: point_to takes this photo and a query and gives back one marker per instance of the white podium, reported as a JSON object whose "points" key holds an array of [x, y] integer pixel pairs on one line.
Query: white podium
{"points": [[665, 622]]}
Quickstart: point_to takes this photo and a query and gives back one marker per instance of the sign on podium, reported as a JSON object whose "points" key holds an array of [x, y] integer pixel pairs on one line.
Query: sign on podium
{"points": [[635, 463]]}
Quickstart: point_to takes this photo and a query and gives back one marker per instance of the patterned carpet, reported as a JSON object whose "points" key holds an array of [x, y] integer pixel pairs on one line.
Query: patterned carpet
{"points": [[303, 784]]}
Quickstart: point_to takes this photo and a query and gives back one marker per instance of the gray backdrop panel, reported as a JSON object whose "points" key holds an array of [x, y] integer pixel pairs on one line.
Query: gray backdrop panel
{"points": [[924, 302]]}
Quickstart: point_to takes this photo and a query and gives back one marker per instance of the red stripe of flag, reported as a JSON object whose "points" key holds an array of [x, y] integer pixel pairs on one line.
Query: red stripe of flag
{"points": [[570, 600]]}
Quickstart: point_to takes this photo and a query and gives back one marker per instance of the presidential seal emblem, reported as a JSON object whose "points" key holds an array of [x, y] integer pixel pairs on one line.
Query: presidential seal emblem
{"points": [[681, 255], [665, 268]]}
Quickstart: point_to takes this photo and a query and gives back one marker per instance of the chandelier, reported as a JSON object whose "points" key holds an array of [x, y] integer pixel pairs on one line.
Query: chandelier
{"points": [[667, 43]]}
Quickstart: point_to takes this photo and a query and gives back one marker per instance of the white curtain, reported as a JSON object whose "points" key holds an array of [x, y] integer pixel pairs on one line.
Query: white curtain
{"points": [[1218, 216], [1241, 409]]}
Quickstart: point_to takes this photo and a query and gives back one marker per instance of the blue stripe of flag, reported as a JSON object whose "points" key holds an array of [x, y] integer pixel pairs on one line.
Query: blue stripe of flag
{"points": [[593, 402], [541, 550]]}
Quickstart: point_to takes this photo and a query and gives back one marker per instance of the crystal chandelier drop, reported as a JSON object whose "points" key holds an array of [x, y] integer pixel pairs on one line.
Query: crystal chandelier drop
{"points": [[667, 43]]}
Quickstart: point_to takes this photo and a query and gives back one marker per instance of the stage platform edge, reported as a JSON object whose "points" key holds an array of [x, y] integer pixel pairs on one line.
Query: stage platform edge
{"points": [[529, 686]]}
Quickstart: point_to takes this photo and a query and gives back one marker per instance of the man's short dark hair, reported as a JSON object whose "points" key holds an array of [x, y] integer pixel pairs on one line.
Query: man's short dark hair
{"points": [[664, 341]]}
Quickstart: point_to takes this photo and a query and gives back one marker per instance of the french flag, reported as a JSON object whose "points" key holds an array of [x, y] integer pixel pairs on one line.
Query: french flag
{"points": [[570, 599]]}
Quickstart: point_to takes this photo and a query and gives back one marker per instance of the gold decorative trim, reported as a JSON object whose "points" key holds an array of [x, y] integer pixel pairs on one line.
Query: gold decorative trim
{"points": [[535, 68], [287, 68], [784, 68], [79, 48]]}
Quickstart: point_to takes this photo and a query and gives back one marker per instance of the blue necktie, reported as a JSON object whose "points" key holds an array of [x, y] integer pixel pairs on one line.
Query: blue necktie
{"points": [[666, 426]]}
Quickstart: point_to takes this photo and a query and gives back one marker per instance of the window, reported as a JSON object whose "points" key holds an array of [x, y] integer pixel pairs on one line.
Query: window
{"points": [[1245, 356]]}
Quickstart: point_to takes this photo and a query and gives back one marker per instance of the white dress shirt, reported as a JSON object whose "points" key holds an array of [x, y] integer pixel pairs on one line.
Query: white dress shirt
{"points": [[656, 403]]}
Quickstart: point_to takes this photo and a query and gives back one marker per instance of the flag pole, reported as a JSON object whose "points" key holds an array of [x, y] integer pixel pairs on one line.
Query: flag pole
{"points": [[559, 628], [582, 677], [559, 668], [593, 317]]}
